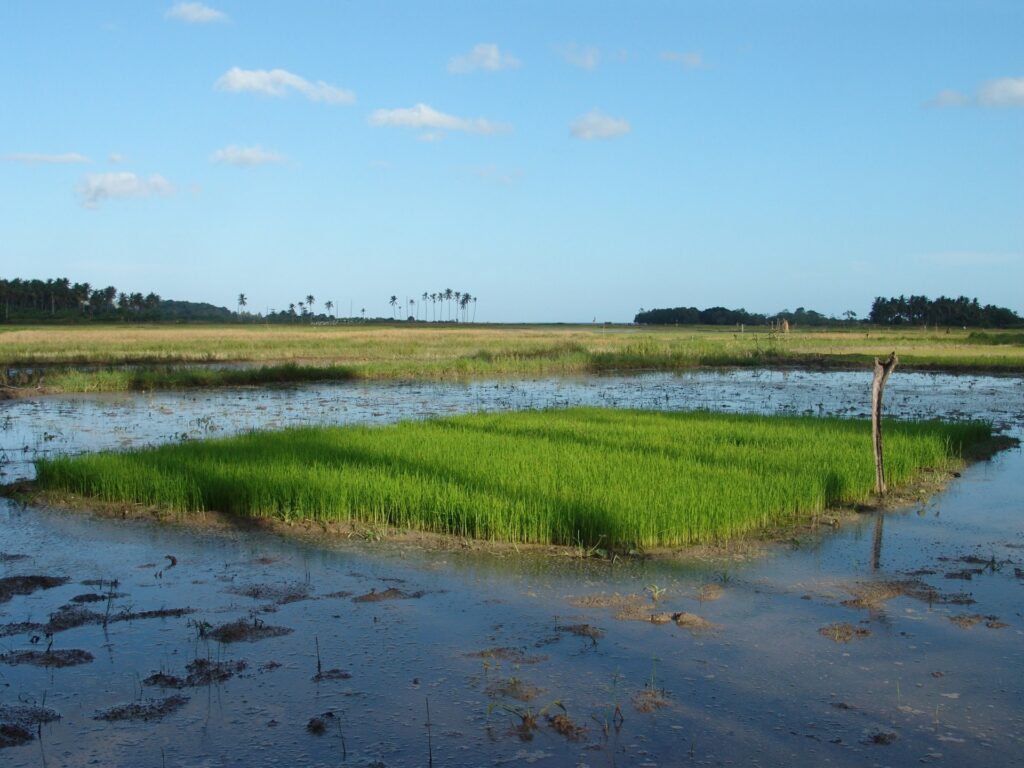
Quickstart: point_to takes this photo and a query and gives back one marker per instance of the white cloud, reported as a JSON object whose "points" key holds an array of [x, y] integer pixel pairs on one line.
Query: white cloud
{"points": [[195, 13], [582, 56], [597, 125], [483, 56], [116, 158], [277, 82], [948, 98], [426, 117], [244, 156], [688, 59], [119, 185], [1004, 92], [38, 157]]}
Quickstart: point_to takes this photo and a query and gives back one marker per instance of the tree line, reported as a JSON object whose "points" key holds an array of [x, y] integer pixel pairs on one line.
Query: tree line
{"points": [[961, 311], [724, 316], [59, 298]]}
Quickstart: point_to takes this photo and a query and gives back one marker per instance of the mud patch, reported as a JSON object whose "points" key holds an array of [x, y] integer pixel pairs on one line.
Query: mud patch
{"points": [[513, 655], [318, 725], [72, 616], [96, 597], [331, 674], [588, 631], [650, 700], [692, 622], [707, 593], [18, 723], [279, 594], [391, 593], [154, 709], [873, 595], [67, 657], [11, 557], [200, 672], [514, 688], [563, 725], [969, 620], [246, 631], [26, 585], [19, 628], [843, 632]]}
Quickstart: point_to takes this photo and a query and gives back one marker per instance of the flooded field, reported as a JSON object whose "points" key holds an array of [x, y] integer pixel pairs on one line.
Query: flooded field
{"points": [[888, 641]]}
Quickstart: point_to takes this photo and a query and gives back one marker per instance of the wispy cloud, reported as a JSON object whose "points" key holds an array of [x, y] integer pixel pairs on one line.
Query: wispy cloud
{"points": [[245, 156], [597, 125], [1004, 92], [116, 158], [278, 82], [425, 117], [688, 59], [195, 13], [98, 187], [40, 157], [582, 56], [948, 98], [485, 56], [495, 175], [1001, 92]]}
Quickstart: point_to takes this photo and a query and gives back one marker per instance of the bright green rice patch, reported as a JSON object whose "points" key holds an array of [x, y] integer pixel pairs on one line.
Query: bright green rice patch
{"points": [[619, 478]]}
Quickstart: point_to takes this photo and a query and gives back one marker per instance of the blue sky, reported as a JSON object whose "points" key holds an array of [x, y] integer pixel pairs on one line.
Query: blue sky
{"points": [[561, 161]]}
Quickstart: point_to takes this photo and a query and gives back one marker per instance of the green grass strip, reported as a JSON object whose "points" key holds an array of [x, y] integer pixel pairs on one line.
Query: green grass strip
{"points": [[618, 478]]}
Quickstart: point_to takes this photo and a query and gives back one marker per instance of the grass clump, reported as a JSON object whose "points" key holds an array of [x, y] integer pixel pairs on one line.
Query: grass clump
{"points": [[619, 478]]}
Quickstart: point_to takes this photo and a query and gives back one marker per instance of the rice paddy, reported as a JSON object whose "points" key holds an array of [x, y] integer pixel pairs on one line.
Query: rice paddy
{"points": [[591, 477]]}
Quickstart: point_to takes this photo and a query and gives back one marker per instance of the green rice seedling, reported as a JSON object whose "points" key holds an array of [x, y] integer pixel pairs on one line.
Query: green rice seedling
{"points": [[624, 478]]}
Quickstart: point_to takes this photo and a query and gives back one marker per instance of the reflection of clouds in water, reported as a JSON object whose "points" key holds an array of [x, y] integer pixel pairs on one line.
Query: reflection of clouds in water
{"points": [[764, 684]]}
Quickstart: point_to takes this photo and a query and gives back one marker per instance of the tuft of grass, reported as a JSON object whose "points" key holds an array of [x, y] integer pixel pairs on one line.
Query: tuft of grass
{"points": [[625, 478]]}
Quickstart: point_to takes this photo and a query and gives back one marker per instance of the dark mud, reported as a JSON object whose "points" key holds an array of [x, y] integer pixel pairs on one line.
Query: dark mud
{"points": [[65, 657], [246, 631], [153, 709], [19, 723], [391, 593], [199, 672], [26, 585]]}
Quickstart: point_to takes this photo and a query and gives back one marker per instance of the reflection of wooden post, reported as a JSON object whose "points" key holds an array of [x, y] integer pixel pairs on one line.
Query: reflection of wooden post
{"points": [[882, 371], [876, 544]]}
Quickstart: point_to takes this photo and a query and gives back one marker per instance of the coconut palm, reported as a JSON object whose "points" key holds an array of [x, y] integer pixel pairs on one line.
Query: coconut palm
{"points": [[363, 312], [393, 301], [423, 303], [242, 302], [328, 305], [310, 301], [474, 309], [448, 297]]}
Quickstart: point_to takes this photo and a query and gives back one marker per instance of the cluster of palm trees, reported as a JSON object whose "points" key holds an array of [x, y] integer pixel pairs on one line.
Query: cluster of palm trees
{"points": [[450, 300], [455, 305]]}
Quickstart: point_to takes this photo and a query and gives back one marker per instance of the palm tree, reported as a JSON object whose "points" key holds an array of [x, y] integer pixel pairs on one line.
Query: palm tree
{"points": [[412, 305], [363, 312], [310, 301], [448, 296], [242, 302], [474, 309], [302, 308], [433, 301], [423, 303], [328, 305], [393, 301], [463, 303]]}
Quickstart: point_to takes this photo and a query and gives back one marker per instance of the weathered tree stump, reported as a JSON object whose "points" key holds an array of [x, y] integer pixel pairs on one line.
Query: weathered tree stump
{"points": [[882, 371]]}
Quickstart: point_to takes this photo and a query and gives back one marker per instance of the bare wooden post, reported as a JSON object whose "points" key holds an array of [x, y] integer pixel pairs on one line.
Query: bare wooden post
{"points": [[882, 371]]}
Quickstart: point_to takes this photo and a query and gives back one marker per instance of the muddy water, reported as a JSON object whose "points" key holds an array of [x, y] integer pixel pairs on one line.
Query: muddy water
{"points": [[761, 686]]}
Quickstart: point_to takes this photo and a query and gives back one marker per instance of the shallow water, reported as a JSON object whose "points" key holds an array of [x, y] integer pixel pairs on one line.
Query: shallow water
{"points": [[762, 687]]}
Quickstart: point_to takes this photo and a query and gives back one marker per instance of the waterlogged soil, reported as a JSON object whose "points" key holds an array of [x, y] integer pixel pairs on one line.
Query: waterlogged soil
{"points": [[849, 646]]}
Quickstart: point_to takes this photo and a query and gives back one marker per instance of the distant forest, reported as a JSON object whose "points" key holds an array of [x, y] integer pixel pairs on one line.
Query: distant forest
{"points": [[61, 300], [915, 310]]}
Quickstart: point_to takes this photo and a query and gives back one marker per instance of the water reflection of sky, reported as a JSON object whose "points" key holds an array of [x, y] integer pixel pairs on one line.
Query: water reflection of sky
{"points": [[764, 688]]}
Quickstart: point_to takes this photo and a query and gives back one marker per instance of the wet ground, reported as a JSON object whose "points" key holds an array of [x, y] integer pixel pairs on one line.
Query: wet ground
{"points": [[889, 641]]}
